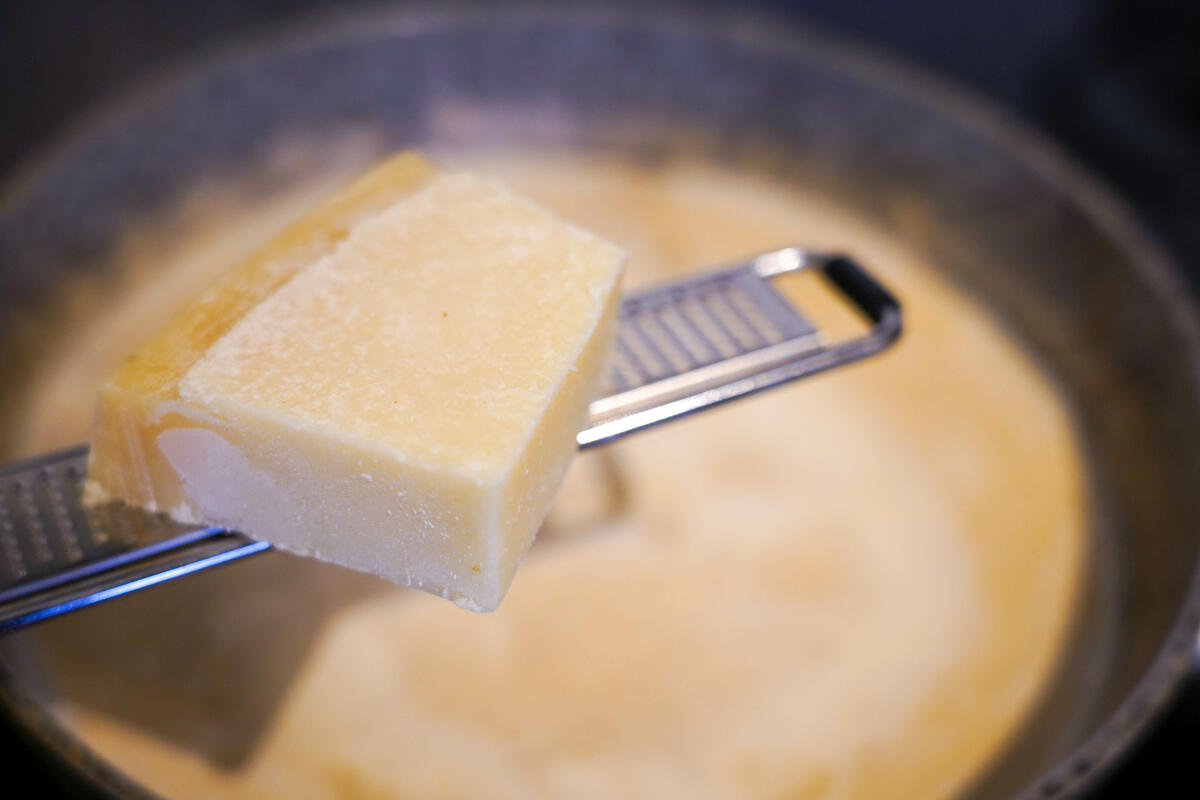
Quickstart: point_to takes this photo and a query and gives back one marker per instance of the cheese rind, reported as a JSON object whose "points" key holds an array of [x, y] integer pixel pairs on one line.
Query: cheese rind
{"points": [[395, 387], [136, 400]]}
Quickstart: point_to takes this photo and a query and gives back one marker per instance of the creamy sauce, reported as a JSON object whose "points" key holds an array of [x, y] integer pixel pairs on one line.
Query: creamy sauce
{"points": [[851, 587]]}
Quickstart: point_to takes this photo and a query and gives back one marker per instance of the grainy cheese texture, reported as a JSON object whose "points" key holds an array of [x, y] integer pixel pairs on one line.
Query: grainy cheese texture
{"points": [[394, 387]]}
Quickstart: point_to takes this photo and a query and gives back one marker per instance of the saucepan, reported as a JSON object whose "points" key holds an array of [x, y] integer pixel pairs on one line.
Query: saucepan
{"points": [[1006, 219]]}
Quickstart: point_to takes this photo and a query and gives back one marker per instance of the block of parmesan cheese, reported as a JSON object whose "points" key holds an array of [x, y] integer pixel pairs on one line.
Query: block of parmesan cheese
{"points": [[393, 384]]}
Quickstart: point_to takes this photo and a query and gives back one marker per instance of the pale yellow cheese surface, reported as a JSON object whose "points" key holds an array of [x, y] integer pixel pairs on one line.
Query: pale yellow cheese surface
{"points": [[406, 404]]}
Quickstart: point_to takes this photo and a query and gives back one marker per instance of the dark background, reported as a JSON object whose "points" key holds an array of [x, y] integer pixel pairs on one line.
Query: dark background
{"points": [[1115, 82]]}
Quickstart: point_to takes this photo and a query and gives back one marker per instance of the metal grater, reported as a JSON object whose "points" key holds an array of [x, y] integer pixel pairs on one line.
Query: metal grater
{"points": [[678, 349]]}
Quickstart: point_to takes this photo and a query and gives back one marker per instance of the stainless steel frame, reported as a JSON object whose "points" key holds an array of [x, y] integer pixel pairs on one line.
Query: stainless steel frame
{"points": [[680, 348]]}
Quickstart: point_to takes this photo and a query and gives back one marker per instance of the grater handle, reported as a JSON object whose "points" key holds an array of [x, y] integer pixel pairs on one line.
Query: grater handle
{"points": [[869, 296], [759, 369], [874, 301]]}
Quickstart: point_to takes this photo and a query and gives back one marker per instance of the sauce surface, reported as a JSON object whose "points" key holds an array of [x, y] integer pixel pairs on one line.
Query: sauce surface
{"points": [[851, 587]]}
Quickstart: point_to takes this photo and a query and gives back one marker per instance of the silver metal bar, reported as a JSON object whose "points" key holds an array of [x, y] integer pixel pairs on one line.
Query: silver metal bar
{"points": [[56, 555], [753, 368]]}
